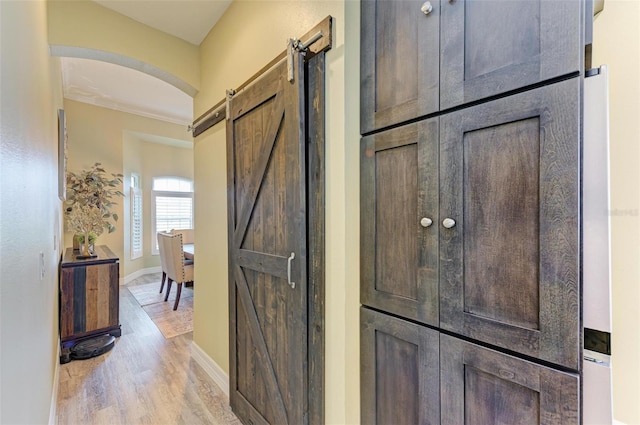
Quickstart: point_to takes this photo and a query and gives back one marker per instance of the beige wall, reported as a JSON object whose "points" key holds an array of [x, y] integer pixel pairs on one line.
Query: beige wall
{"points": [[98, 134], [82, 24], [617, 44], [30, 223], [149, 160], [262, 28]]}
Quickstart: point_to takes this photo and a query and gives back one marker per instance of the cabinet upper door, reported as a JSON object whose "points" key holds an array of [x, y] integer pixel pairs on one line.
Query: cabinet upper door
{"points": [[490, 47], [509, 265], [398, 203], [399, 61]]}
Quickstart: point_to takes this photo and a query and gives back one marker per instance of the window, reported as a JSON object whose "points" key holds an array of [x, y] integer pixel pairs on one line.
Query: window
{"points": [[172, 206], [136, 217]]}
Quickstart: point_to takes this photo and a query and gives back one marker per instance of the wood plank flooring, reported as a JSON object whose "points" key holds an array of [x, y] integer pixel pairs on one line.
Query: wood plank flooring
{"points": [[144, 379]]}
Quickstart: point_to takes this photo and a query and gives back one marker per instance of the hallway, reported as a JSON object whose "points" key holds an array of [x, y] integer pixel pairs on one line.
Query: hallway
{"points": [[144, 379]]}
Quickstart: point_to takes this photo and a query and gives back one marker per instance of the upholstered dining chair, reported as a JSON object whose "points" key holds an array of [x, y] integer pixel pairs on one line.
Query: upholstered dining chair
{"points": [[187, 234], [177, 271], [163, 260]]}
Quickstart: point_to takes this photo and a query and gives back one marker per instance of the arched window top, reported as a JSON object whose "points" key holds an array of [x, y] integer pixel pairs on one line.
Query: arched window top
{"points": [[172, 184]]}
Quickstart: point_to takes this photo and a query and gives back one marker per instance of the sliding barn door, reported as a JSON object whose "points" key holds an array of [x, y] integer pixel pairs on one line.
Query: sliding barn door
{"points": [[267, 249]]}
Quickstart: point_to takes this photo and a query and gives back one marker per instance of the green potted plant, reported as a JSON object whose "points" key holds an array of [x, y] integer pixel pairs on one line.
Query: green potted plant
{"points": [[79, 240], [90, 196]]}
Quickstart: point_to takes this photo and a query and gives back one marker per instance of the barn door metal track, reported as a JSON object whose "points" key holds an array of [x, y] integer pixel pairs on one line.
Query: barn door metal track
{"points": [[318, 40]]}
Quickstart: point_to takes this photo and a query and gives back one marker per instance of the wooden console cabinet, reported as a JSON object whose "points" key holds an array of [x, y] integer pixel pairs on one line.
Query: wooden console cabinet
{"points": [[89, 296]]}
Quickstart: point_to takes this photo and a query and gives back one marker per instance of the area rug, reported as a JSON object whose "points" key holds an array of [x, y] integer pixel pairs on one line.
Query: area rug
{"points": [[171, 323]]}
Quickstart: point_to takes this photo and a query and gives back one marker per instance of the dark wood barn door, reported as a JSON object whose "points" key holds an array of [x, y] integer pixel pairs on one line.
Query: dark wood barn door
{"points": [[267, 249]]}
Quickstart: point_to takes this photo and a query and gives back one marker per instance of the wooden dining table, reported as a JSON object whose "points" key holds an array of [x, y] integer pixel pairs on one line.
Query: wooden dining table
{"points": [[188, 251]]}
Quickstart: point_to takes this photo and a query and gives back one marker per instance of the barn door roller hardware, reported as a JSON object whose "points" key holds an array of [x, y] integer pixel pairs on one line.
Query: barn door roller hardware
{"points": [[318, 40], [295, 45], [230, 94]]}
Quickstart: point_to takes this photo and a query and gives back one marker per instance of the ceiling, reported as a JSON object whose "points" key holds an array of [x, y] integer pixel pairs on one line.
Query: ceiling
{"points": [[190, 20], [124, 89], [128, 90]]}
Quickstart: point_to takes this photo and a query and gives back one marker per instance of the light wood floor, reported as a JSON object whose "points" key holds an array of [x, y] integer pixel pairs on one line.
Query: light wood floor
{"points": [[144, 379]]}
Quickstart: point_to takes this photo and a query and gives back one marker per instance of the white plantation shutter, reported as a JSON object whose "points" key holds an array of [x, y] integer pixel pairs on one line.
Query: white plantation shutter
{"points": [[173, 212], [136, 223], [172, 205]]}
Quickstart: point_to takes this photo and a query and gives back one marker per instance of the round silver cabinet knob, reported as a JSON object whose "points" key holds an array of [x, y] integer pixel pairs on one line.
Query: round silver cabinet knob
{"points": [[448, 223], [426, 222], [426, 7]]}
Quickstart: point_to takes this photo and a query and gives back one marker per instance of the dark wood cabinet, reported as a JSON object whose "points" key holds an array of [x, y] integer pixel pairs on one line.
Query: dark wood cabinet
{"points": [[490, 47], [507, 174], [483, 386], [399, 65], [400, 371], [89, 296], [413, 374], [509, 267], [415, 63], [399, 191], [470, 211]]}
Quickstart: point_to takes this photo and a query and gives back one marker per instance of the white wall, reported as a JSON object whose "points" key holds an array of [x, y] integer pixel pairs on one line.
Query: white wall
{"points": [[149, 160], [617, 44], [30, 223]]}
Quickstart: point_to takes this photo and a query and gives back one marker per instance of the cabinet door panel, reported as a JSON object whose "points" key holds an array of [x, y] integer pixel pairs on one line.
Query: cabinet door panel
{"points": [[494, 46], [399, 62], [510, 266], [399, 187], [400, 371], [482, 386], [501, 210]]}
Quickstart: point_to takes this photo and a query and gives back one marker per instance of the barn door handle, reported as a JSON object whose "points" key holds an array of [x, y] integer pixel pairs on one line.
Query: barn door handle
{"points": [[289, 260]]}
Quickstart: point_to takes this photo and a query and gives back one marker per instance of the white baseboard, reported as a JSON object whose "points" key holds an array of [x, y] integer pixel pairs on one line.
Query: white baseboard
{"points": [[212, 369], [139, 273], [53, 409]]}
